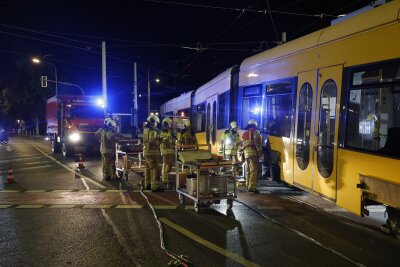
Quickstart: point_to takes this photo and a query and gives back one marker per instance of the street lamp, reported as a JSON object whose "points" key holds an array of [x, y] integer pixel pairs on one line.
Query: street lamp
{"points": [[157, 80], [38, 61]]}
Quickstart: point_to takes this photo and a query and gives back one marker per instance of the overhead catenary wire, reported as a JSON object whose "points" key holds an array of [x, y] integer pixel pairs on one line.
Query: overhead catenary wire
{"points": [[243, 10]]}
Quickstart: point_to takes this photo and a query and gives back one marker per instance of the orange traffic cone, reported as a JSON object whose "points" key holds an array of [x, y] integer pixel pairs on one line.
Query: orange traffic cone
{"points": [[10, 176], [81, 164]]}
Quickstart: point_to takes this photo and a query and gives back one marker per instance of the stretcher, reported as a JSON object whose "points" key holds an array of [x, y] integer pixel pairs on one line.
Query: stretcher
{"points": [[199, 177], [128, 157]]}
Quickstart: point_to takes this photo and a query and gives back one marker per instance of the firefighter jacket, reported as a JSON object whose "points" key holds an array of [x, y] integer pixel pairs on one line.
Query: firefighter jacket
{"points": [[151, 141], [252, 143], [229, 143], [167, 142], [187, 137], [107, 138]]}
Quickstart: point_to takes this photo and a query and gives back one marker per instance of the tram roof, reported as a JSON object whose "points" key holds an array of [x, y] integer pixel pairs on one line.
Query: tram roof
{"points": [[384, 14], [178, 103]]}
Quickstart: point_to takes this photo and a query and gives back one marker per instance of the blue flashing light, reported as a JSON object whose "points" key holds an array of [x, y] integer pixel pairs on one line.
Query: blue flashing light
{"points": [[100, 102], [256, 110]]}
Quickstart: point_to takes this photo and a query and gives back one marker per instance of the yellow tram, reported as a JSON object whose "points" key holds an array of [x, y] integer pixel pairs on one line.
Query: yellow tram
{"points": [[328, 104]]}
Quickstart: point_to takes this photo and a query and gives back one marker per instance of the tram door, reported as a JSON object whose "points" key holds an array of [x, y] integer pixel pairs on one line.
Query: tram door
{"points": [[211, 123], [317, 124], [326, 130], [304, 137]]}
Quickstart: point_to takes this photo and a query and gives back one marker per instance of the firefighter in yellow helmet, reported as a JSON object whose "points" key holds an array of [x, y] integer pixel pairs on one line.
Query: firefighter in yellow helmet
{"points": [[229, 142], [151, 151], [252, 146], [188, 137], [167, 148], [107, 136]]}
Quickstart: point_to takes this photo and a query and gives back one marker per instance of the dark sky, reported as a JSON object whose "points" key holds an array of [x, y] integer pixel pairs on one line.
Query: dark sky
{"points": [[184, 45]]}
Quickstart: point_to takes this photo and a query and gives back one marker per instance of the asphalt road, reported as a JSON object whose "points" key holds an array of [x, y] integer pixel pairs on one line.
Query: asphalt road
{"points": [[56, 216]]}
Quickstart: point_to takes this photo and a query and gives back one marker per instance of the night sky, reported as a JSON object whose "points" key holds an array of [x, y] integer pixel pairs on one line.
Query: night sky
{"points": [[184, 43]]}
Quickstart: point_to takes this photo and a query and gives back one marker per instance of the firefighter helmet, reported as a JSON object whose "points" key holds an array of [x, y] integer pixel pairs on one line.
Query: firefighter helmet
{"points": [[153, 119], [167, 121], [254, 122], [234, 124], [110, 122]]}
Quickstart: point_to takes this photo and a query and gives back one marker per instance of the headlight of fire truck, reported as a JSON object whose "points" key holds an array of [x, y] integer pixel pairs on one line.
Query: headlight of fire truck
{"points": [[74, 137]]}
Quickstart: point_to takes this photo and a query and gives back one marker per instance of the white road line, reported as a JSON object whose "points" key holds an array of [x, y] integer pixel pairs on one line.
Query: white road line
{"points": [[19, 159], [87, 179], [126, 206], [62, 206], [28, 168], [35, 191], [95, 206], [29, 206], [5, 206], [164, 207]]}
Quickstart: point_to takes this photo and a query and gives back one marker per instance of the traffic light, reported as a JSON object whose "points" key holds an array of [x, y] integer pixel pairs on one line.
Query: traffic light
{"points": [[43, 80]]}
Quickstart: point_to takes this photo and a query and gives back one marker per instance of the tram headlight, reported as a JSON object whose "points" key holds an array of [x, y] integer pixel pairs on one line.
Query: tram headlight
{"points": [[74, 137]]}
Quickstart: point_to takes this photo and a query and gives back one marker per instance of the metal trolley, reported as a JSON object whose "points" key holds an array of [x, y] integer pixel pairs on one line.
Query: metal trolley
{"points": [[128, 156], [205, 184]]}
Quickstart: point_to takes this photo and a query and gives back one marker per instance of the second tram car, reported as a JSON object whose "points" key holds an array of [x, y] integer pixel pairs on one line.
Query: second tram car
{"points": [[328, 104]]}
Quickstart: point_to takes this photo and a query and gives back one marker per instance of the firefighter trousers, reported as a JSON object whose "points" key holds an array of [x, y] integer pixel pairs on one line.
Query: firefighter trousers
{"points": [[108, 163], [168, 161], [151, 174], [252, 173]]}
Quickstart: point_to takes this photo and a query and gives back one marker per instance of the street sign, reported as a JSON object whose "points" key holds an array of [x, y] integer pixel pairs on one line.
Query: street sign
{"points": [[43, 80]]}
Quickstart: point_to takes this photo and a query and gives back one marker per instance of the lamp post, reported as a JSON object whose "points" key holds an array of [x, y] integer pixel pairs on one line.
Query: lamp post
{"points": [[38, 61], [148, 90]]}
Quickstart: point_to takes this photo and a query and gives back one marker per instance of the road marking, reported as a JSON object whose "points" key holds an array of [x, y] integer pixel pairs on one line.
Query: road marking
{"points": [[10, 191], [62, 190], [5, 206], [62, 206], [35, 191], [90, 206], [126, 206], [164, 207], [208, 244], [116, 191], [71, 170], [29, 206], [28, 168], [19, 159]]}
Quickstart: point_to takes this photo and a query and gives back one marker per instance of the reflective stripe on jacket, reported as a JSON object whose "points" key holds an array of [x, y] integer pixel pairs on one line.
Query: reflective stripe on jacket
{"points": [[252, 143], [229, 143], [151, 141], [167, 146], [107, 139]]}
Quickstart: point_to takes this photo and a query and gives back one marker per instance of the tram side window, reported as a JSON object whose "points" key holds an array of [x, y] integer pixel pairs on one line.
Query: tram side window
{"points": [[278, 114], [373, 115], [251, 108], [200, 118], [278, 108], [223, 110], [251, 104], [373, 110]]}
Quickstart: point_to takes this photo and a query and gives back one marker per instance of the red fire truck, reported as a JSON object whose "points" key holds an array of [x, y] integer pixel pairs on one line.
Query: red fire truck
{"points": [[72, 121]]}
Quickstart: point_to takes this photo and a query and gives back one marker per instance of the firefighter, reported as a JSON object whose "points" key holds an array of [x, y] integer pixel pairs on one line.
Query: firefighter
{"points": [[229, 143], [107, 137], [252, 146], [187, 137], [167, 149], [151, 151]]}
